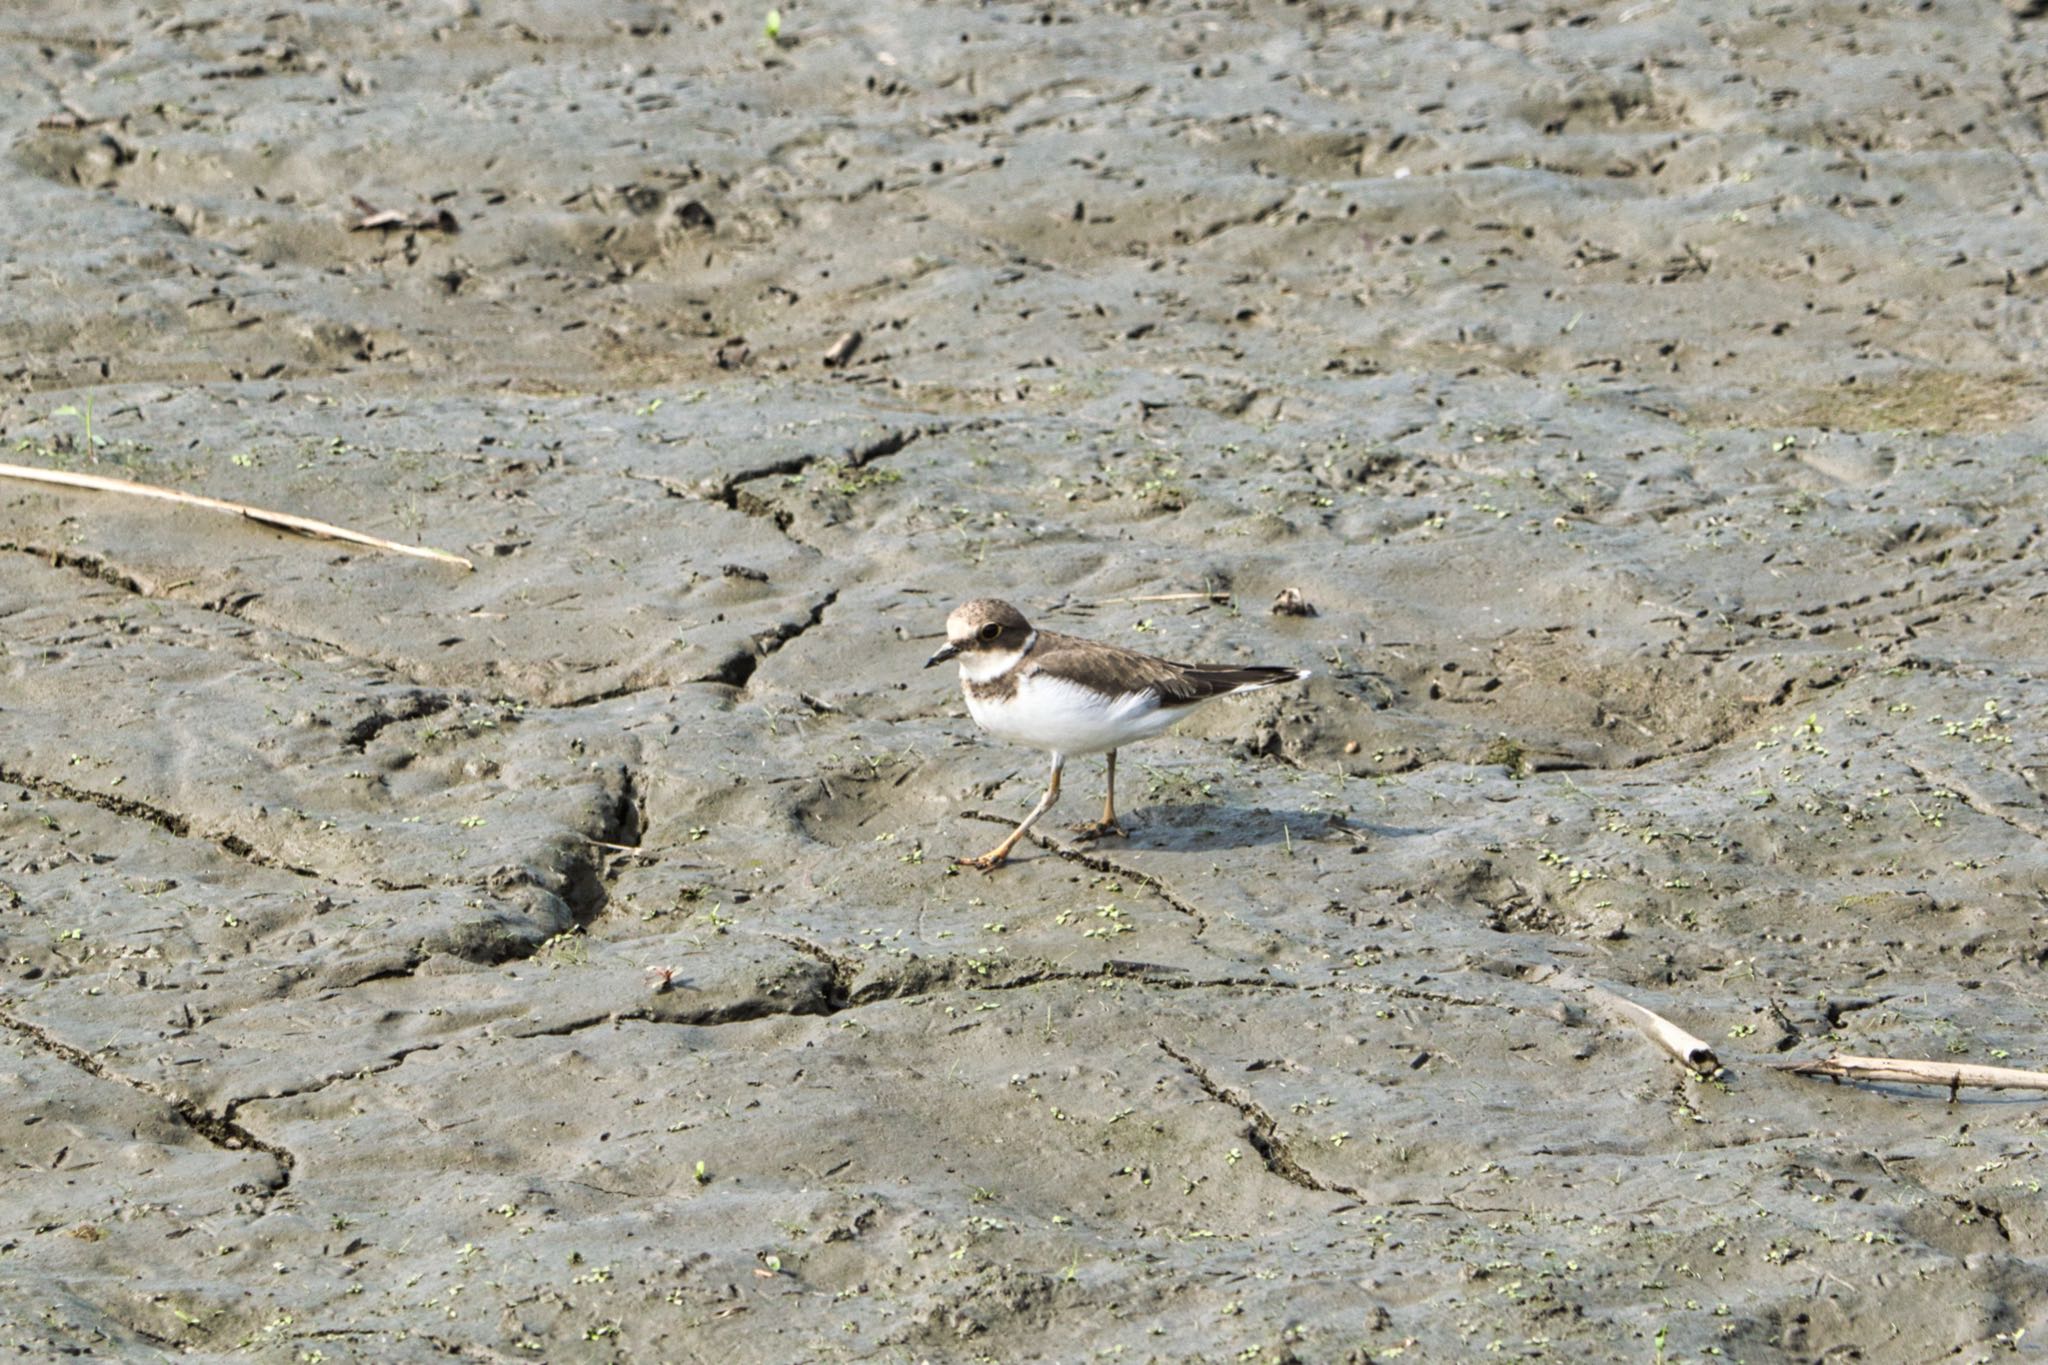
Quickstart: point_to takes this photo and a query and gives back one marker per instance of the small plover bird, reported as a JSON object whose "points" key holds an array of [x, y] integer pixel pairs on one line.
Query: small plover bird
{"points": [[1073, 697]]}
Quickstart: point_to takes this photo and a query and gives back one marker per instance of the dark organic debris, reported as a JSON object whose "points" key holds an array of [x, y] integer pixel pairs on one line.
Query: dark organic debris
{"points": [[370, 218], [1290, 602]]}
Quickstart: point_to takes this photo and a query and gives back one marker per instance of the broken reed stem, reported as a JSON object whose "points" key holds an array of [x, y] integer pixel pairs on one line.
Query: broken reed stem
{"points": [[1954, 1075], [1692, 1053], [282, 520], [1174, 597]]}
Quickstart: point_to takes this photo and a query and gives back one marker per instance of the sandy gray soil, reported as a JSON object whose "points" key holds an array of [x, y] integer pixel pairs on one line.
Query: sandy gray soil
{"points": [[1648, 399]]}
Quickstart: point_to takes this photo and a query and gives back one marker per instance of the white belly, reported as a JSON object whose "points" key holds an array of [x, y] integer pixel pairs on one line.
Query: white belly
{"points": [[1052, 713]]}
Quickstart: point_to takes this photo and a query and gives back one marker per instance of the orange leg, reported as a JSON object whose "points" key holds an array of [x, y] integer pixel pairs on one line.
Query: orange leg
{"points": [[1000, 854], [1106, 827]]}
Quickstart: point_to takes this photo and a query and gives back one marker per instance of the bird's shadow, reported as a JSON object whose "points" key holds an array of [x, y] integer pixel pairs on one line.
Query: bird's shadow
{"points": [[1197, 826]]}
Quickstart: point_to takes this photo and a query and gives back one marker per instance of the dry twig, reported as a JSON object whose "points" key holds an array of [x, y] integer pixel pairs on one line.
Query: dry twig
{"points": [[283, 520], [1692, 1053], [1954, 1075], [841, 351], [1174, 597]]}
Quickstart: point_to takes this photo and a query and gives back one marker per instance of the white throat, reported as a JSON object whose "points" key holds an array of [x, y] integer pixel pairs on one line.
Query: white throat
{"points": [[981, 667]]}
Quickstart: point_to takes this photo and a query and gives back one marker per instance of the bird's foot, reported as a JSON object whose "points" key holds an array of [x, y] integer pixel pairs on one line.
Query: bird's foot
{"points": [[987, 862], [1100, 829]]}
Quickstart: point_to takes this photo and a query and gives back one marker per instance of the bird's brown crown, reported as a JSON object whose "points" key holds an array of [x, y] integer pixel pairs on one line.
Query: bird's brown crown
{"points": [[986, 624]]}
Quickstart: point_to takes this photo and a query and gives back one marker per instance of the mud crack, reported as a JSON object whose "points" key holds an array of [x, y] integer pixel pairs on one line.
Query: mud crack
{"points": [[626, 821], [1150, 973], [169, 821], [1261, 1130], [88, 566], [739, 670], [744, 1011], [842, 987], [414, 705], [390, 1061], [1975, 799], [732, 491], [219, 1129], [233, 604], [888, 443], [841, 972]]}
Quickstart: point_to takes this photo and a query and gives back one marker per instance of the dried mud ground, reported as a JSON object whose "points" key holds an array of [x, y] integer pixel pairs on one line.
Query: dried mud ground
{"points": [[1648, 399]]}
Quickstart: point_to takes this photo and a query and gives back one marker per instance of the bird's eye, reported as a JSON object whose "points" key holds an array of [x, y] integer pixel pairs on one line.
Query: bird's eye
{"points": [[991, 630]]}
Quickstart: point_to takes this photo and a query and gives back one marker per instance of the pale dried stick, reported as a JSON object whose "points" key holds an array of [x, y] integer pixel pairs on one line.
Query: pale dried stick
{"points": [[284, 520], [1954, 1075], [1692, 1053]]}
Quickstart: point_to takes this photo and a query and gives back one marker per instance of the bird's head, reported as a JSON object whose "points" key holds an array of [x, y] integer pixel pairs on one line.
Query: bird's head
{"points": [[983, 628]]}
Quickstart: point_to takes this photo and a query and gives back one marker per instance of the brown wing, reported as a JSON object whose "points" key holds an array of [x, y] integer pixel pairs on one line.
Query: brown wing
{"points": [[1125, 670]]}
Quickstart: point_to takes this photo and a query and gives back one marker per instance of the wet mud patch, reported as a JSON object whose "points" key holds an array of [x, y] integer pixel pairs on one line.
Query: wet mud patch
{"points": [[562, 959]]}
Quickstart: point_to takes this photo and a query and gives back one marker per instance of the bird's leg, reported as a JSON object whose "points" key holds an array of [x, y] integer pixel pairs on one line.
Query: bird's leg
{"points": [[1106, 827], [1000, 854]]}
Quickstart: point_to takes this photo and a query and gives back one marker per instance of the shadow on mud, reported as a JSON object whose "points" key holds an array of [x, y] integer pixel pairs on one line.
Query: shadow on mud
{"points": [[1195, 827]]}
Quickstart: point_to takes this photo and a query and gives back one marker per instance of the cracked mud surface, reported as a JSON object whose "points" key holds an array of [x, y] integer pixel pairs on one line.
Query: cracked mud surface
{"points": [[561, 961]]}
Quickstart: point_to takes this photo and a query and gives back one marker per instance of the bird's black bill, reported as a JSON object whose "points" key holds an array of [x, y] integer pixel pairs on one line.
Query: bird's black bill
{"points": [[944, 653]]}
